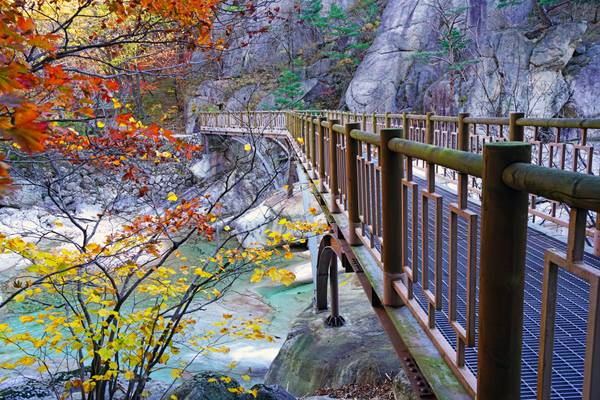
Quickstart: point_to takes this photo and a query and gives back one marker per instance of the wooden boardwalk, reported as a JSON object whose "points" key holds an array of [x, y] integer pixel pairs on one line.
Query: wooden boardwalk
{"points": [[437, 333]]}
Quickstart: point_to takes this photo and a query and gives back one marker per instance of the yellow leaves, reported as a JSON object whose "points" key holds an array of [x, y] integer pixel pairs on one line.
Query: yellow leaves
{"points": [[226, 379], [129, 375], [26, 361], [237, 390], [300, 140], [105, 353], [211, 380], [100, 124], [172, 197], [288, 255], [26, 318], [247, 147], [176, 373], [286, 277], [164, 154], [245, 378], [312, 211], [253, 392], [227, 316], [4, 328], [105, 312], [116, 103], [202, 273], [227, 228], [257, 275], [232, 365], [58, 223]]}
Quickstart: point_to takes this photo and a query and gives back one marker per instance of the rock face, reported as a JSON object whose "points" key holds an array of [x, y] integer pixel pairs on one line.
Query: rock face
{"points": [[516, 59], [315, 356], [267, 215], [540, 60], [388, 65]]}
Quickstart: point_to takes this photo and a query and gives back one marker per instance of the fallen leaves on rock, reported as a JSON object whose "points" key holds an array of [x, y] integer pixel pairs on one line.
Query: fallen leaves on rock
{"points": [[382, 391]]}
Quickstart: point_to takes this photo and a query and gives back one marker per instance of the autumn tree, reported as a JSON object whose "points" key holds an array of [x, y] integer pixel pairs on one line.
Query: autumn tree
{"points": [[113, 295]]}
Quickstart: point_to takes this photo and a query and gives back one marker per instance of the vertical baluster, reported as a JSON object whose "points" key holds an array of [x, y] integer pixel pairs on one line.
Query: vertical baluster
{"points": [[333, 167], [352, 183], [321, 152]]}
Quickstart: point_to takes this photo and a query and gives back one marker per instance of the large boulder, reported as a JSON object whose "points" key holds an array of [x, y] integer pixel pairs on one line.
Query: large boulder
{"points": [[582, 75], [315, 356], [387, 68], [251, 226], [208, 386]]}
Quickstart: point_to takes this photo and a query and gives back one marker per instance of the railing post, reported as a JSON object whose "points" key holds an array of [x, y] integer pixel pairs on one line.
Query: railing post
{"points": [[333, 167], [306, 126], [597, 236], [515, 133], [463, 145], [352, 184], [501, 277], [392, 171], [313, 146], [388, 120], [374, 122], [321, 151]]}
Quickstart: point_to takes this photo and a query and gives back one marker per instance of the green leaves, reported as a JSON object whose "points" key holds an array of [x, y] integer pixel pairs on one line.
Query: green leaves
{"points": [[289, 93]]}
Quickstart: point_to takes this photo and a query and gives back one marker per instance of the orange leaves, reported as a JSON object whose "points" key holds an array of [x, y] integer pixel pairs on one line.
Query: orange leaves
{"points": [[24, 127], [25, 25]]}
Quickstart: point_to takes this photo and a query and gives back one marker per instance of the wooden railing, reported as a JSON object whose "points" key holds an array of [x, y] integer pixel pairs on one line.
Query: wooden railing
{"points": [[371, 177]]}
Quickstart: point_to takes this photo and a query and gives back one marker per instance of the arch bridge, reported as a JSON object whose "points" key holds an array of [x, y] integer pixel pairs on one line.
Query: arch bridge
{"points": [[476, 240]]}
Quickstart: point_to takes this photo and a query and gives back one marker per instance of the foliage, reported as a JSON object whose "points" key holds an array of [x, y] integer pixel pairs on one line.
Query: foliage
{"points": [[289, 92], [347, 35], [119, 311], [65, 61]]}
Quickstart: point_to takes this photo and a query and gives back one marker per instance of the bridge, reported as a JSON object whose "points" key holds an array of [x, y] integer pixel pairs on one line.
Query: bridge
{"points": [[476, 240]]}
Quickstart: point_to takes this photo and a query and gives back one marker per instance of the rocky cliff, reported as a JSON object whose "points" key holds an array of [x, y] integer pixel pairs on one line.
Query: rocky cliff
{"points": [[487, 57]]}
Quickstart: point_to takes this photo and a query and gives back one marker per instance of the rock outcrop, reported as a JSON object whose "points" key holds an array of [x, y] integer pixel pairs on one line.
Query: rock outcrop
{"points": [[209, 386], [316, 356], [510, 56], [515, 58]]}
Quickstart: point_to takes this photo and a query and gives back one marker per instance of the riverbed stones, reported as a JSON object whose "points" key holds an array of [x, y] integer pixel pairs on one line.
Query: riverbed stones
{"points": [[271, 392], [315, 356]]}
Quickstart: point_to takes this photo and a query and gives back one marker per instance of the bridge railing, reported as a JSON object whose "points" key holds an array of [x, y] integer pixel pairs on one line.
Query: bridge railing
{"points": [[561, 143], [258, 120], [371, 178]]}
